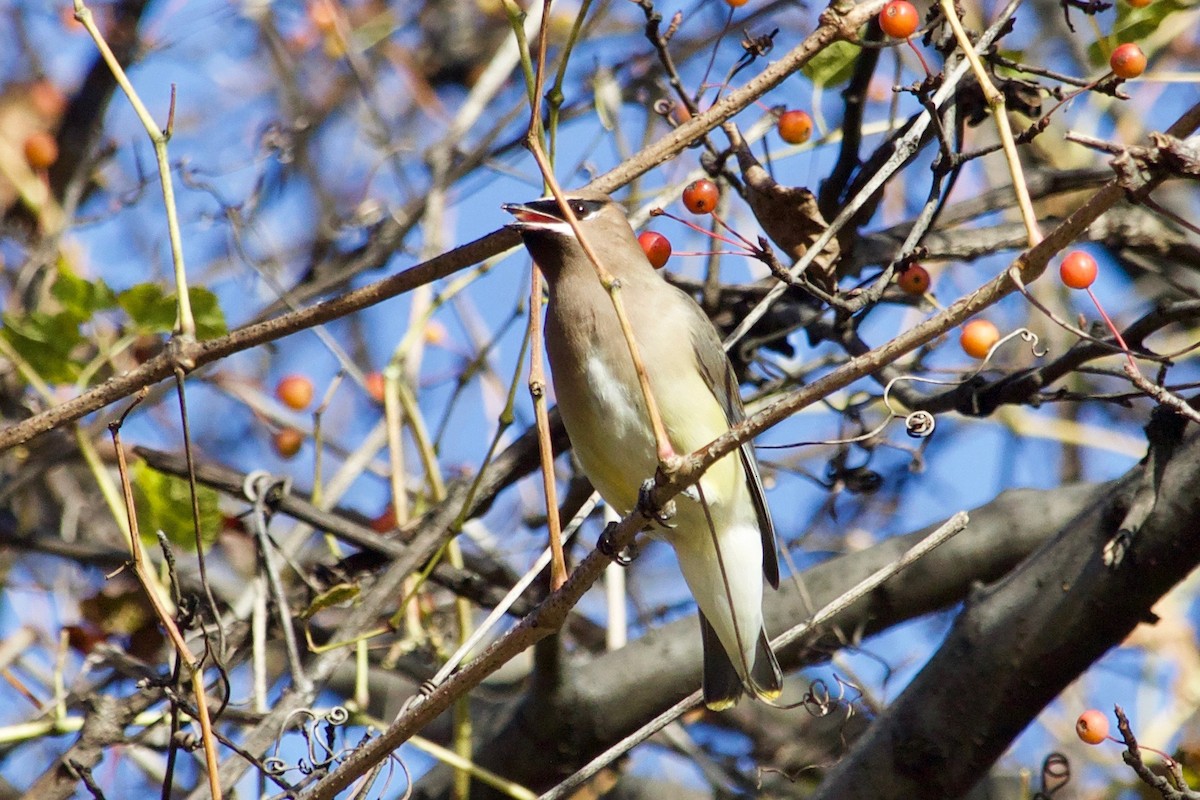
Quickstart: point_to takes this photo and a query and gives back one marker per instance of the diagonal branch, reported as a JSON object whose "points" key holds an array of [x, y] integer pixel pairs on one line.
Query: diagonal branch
{"points": [[834, 26]]}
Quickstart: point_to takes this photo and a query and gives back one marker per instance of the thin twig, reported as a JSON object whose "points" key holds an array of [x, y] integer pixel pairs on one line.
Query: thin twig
{"points": [[944, 532], [834, 26], [666, 452], [903, 150], [159, 138], [194, 667], [550, 614], [537, 391], [995, 101]]}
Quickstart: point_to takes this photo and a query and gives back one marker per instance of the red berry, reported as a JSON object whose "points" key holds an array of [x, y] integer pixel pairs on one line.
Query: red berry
{"points": [[1092, 726], [978, 338], [1078, 270], [84, 638], [1127, 61], [374, 385], [386, 521], [914, 280], [656, 247], [295, 392], [287, 442], [899, 19], [795, 126], [41, 150], [700, 197], [1140, 3]]}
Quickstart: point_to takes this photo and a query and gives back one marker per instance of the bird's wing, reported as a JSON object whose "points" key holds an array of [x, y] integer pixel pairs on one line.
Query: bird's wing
{"points": [[718, 372]]}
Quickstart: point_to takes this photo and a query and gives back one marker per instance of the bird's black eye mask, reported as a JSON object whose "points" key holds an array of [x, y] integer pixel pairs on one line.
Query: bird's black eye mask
{"points": [[548, 209]]}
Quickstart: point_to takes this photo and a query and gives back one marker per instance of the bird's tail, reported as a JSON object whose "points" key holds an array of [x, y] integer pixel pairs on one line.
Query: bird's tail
{"points": [[722, 680]]}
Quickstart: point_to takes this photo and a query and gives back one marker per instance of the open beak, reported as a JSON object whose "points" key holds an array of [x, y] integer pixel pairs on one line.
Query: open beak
{"points": [[535, 215]]}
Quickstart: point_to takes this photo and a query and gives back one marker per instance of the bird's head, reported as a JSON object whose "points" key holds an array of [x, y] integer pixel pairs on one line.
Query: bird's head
{"points": [[551, 240], [545, 216]]}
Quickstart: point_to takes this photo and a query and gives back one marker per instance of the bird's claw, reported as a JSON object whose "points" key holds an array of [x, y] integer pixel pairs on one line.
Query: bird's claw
{"points": [[647, 507], [620, 556], [1116, 548]]}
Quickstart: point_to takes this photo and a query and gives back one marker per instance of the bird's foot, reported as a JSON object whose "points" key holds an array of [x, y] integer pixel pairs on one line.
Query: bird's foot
{"points": [[648, 509], [621, 556], [1114, 552]]}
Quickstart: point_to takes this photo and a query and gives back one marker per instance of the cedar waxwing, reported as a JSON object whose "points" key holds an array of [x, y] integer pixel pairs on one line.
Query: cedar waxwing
{"points": [[694, 387]]}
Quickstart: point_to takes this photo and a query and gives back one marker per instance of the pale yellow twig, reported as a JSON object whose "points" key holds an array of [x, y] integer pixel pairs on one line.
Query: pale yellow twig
{"points": [[452, 759], [995, 101], [537, 391], [159, 138]]}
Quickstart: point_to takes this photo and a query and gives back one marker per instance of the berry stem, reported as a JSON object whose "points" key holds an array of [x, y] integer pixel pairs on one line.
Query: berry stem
{"points": [[719, 237], [712, 253], [921, 58], [726, 226], [1116, 333]]}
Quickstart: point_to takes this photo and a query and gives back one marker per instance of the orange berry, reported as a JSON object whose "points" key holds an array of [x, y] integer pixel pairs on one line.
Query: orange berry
{"points": [[374, 385], [736, 3], [287, 442], [66, 16], [1078, 270], [295, 392], [914, 280], [656, 247], [681, 113], [978, 337], [795, 126], [1140, 3], [47, 99], [322, 15], [1127, 61], [435, 333], [700, 197], [41, 150], [899, 19], [1092, 726]]}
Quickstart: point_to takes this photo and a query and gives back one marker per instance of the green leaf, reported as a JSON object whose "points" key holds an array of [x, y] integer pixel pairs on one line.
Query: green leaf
{"points": [[81, 297], [334, 596], [46, 342], [154, 311], [148, 307], [210, 319], [832, 65], [164, 503]]}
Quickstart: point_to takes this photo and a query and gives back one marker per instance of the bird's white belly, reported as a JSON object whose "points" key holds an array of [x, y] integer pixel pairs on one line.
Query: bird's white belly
{"points": [[611, 435]]}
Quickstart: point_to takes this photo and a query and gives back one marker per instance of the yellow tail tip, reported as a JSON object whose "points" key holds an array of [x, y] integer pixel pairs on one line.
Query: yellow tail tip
{"points": [[721, 703]]}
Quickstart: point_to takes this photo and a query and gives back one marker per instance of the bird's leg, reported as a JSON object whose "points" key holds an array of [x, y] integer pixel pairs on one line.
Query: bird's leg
{"points": [[668, 460], [623, 556]]}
